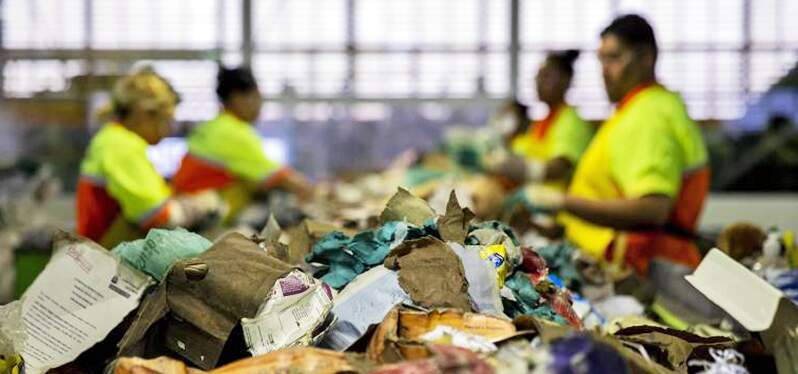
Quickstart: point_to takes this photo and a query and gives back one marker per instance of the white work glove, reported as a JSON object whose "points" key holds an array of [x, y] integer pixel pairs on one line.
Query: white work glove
{"points": [[521, 170], [192, 209], [542, 198], [535, 171], [494, 159]]}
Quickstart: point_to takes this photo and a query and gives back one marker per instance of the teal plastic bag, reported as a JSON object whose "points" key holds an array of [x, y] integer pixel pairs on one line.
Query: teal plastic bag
{"points": [[156, 253]]}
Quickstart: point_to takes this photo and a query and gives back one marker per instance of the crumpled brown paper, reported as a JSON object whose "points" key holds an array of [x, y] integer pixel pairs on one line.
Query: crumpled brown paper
{"points": [[431, 273], [299, 360], [453, 226], [404, 206], [670, 348], [194, 311]]}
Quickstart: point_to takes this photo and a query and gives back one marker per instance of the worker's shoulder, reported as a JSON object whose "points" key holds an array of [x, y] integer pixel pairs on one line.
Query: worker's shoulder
{"points": [[222, 128], [570, 115], [660, 98], [116, 138]]}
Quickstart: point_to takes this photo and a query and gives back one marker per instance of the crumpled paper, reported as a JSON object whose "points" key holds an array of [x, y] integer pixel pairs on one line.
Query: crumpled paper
{"points": [[296, 307], [431, 273], [453, 226], [670, 348], [403, 206]]}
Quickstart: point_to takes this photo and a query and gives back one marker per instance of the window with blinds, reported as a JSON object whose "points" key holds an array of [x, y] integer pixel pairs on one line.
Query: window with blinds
{"points": [[372, 50]]}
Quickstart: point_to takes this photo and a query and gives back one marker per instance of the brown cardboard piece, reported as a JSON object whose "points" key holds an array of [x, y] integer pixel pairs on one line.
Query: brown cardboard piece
{"points": [[194, 311], [160, 365], [431, 273], [404, 206], [757, 305], [296, 360], [453, 226], [398, 337]]}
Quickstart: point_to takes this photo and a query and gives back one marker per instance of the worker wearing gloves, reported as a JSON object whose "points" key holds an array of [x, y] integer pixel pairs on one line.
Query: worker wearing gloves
{"points": [[639, 188], [551, 148], [120, 194], [226, 154]]}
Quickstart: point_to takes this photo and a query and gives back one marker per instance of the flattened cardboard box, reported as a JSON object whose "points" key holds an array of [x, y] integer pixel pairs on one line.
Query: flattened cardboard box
{"points": [[757, 305]]}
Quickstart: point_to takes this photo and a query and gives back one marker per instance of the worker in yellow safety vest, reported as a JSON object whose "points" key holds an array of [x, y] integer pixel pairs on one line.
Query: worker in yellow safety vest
{"points": [[120, 194], [552, 146], [638, 190], [550, 149], [226, 154]]}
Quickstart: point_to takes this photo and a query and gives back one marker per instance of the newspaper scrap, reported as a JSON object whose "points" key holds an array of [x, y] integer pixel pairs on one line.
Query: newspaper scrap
{"points": [[297, 306]]}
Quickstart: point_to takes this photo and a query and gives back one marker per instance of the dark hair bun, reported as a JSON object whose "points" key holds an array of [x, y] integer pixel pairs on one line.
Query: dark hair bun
{"points": [[238, 79], [564, 60], [570, 55]]}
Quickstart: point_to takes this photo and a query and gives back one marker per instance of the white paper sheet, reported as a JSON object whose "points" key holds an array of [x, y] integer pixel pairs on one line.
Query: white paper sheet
{"points": [[81, 295]]}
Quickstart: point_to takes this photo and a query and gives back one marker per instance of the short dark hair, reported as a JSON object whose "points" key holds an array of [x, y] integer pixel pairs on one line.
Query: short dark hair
{"points": [[634, 31], [230, 81], [564, 60]]}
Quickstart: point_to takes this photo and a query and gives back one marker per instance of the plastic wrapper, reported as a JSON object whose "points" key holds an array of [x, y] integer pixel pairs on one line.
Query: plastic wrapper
{"points": [[363, 303], [297, 307], [160, 249], [496, 255], [482, 280]]}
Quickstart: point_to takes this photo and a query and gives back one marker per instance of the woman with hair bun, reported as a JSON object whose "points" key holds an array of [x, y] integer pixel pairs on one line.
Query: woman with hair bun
{"points": [[551, 148], [225, 155]]}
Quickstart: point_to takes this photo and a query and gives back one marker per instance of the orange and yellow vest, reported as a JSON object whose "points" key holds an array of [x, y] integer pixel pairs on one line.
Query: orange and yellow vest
{"points": [[649, 146], [119, 192], [226, 154]]}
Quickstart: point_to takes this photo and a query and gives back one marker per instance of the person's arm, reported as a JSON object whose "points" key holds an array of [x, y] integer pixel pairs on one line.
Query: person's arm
{"points": [[291, 181], [624, 214], [559, 168]]}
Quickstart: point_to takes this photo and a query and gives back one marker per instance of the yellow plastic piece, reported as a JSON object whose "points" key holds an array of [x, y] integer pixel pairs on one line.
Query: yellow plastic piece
{"points": [[497, 256]]}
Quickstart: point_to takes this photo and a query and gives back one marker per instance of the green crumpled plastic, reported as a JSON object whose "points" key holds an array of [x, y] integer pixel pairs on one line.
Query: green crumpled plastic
{"points": [[342, 267], [559, 258], [527, 300], [161, 248], [344, 258]]}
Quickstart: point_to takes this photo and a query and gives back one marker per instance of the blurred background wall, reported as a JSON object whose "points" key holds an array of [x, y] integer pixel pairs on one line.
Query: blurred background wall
{"points": [[351, 83]]}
